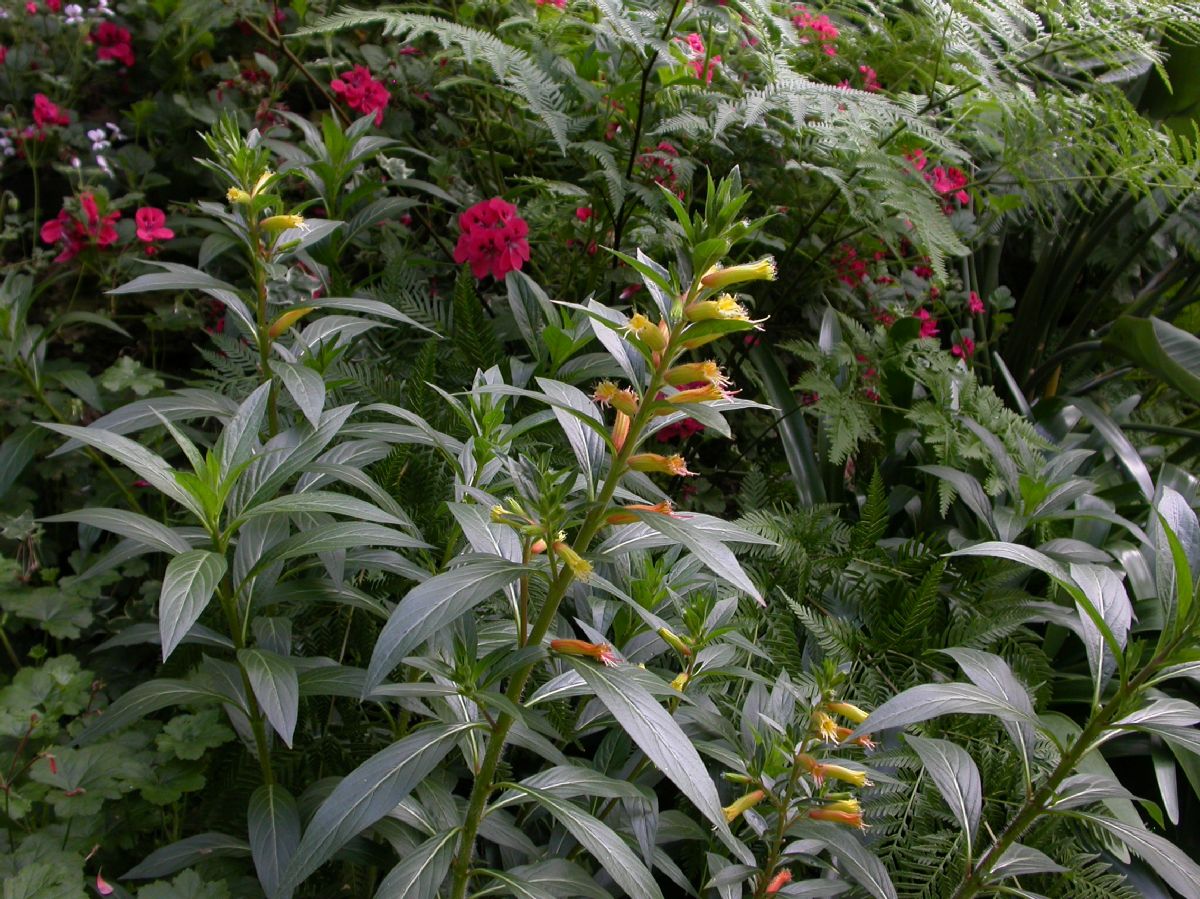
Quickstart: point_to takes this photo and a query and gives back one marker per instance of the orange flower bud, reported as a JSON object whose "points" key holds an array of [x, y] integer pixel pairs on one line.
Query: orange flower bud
{"points": [[620, 431], [626, 516], [653, 462], [778, 882], [735, 809], [287, 319], [601, 652], [847, 819]]}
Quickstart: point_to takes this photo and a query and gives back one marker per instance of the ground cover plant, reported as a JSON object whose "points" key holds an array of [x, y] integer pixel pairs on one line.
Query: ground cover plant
{"points": [[557, 448]]}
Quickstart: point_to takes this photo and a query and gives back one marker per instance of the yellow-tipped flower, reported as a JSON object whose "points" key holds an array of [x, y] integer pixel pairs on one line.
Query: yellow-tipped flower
{"points": [[287, 319], [277, 224], [237, 195], [654, 462], [601, 652], [705, 394], [847, 711], [579, 566], [675, 642], [819, 771], [849, 806], [846, 819], [647, 332], [723, 308], [623, 400], [717, 278], [626, 516], [691, 372], [826, 727], [620, 431], [735, 809], [680, 681]]}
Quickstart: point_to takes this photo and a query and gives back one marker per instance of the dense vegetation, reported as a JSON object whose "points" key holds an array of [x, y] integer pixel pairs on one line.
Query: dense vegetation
{"points": [[725, 449]]}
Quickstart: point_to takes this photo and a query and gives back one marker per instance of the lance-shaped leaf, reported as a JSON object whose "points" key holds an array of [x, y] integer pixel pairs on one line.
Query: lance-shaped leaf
{"points": [[586, 444], [955, 774], [1107, 595], [991, 673], [1159, 347], [1018, 859], [927, 701], [273, 823], [422, 871], [137, 527], [328, 502], [1170, 862], [717, 557], [1086, 789], [368, 793], [663, 741], [306, 387], [434, 604], [330, 537], [140, 701], [187, 852], [276, 686], [613, 853], [552, 878], [188, 586], [852, 857]]}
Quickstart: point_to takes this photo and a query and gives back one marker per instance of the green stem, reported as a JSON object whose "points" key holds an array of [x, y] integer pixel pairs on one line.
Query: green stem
{"points": [[483, 785], [1035, 805]]}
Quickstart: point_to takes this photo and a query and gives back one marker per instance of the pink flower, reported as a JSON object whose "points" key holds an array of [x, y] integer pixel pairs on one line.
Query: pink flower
{"points": [[31, 8], [974, 304], [54, 5], [951, 181], [823, 29], [151, 226], [964, 349], [493, 239], [929, 326], [583, 213], [870, 79], [46, 113], [696, 58], [3, 54], [113, 42], [362, 93], [561, 4], [75, 235], [102, 886]]}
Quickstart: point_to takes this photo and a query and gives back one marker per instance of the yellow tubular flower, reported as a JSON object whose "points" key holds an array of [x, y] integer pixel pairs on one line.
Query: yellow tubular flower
{"points": [[723, 308], [579, 566], [735, 809], [653, 462], [620, 431], [847, 819], [675, 642], [826, 727], [705, 394], [691, 372], [680, 681], [846, 775], [277, 224], [647, 332], [716, 277], [626, 516], [237, 195], [849, 806], [847, 711], [601, 652], [623, 400]]}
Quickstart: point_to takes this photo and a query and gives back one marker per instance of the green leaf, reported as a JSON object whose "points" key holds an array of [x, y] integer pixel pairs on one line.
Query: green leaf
{"points": [[276, 686], [328, 502], [16, 452], [187, 852], [141, 701], [240, 436], [368, 793], [613, 853], [991, 673], [1159, 347], [176, 277], [329, 537], [136, 527], [852, 857], [1107, 596], [128, 373], [793, 430], [714, 555], [305, 386], [553, 878], [1125, 451], [433, 605], [1170, 862], [1018, 860], [663, 741], [422, 871], [273, 823], [927, 701], [955, 774], [187, 588], [585, 443], [367, 307]]}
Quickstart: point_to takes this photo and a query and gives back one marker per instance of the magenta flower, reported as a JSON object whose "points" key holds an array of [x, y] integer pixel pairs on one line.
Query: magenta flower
{"points": [[493, 239], [362, 93], [964, 349], [929, 326], [113, 42], [46, 113], [974, 304], [583, 213]]}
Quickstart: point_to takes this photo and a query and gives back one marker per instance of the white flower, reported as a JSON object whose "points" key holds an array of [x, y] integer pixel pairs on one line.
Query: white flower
{"points": [[74, 14], [117, 134], [104, 166]]}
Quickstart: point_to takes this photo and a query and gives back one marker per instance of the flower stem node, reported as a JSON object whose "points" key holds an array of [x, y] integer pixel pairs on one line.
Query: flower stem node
{"points": [[659, 464], [717, 278], [734, 810], [601, 652]]}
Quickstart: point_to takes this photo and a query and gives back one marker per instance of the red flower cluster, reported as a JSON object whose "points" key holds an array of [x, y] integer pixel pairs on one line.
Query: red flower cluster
{"points": [[151, 226], [964, 349], [492, 239], [974, 304], [851, 270], [75, 235], [929, 327], [696, 53], [657, 162], [113, 42], [947, 181], [362, 92], [822, 28], [46, 113], [870, 79]]}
